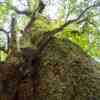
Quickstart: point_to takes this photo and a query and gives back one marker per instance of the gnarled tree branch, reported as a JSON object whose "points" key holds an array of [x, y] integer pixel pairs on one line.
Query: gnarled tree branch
{"points": [[48, 35], [33, 17], [74, 20]]}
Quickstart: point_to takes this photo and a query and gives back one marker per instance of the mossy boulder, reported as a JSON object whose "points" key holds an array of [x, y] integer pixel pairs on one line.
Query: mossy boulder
{"points": [[63, 72], [67, 73]]}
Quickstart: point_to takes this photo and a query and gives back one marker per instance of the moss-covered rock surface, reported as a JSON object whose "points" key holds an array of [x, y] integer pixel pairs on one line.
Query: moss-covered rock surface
{"points": [[63, 72]]}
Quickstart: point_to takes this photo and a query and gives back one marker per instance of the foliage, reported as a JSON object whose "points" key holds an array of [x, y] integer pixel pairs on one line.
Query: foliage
{"points": [[3, 56], [81, 37]]}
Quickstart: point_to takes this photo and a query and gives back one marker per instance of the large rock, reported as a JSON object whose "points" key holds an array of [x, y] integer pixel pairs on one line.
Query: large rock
{"points": [[67, 73], [63, 72]]}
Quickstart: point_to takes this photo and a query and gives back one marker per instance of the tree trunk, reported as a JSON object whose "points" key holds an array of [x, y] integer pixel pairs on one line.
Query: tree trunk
{"points": [[63, 71]]}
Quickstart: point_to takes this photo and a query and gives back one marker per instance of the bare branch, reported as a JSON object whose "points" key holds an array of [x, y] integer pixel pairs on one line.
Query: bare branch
{"points": [[12, 27], [25, 12], [92, 6], [13, 23], [41, 6], [28, 13], [33, 17], [12, 30], [2, 30], [74, 20], [48, 35]]}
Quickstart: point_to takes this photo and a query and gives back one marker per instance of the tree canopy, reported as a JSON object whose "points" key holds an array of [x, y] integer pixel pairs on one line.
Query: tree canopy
{"points": [[28, 23]]}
